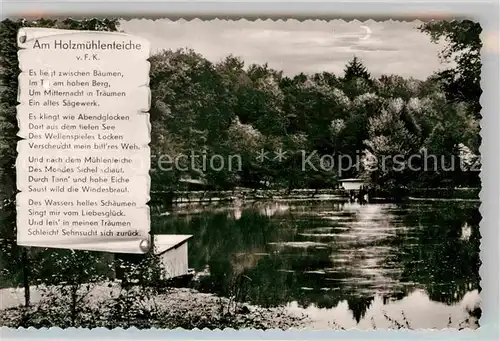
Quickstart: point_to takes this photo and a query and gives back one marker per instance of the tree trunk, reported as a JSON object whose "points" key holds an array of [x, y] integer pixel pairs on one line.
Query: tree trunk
{"points": [[26, 275], [74, 291]]}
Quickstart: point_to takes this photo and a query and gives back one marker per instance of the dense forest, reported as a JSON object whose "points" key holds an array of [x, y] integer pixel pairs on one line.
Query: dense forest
{"points": [[227, 108]]}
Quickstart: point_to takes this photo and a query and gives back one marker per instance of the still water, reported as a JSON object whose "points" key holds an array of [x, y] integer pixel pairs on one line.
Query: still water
{"points": [[343, 264]]}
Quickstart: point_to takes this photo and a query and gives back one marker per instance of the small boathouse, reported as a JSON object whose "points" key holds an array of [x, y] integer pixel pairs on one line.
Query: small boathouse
{"points": [[172, 250], [352, 184], [173, 253]]}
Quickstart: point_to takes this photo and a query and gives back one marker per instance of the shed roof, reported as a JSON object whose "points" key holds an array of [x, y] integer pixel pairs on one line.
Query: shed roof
{"points": [[165, 242], [192, 181], [352, 180]]}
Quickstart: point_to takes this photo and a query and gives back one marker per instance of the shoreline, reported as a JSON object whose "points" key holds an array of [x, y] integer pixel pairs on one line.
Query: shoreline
{"points": [[188, 309], [249, 195], [173, 308]]}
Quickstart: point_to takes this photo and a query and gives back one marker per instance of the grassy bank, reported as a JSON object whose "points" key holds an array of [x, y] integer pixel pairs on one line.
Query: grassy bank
{"points": [[112, 306]]}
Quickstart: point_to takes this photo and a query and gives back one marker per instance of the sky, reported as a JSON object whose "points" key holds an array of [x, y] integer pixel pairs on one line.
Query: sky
{"points": [[387, 47]]}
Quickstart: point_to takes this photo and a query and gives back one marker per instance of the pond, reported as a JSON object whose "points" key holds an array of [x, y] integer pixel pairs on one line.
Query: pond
{"points": [[342, 264]]}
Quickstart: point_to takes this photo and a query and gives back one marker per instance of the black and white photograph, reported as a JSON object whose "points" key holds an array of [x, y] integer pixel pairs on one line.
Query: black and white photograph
{"points": [[315, 174]]}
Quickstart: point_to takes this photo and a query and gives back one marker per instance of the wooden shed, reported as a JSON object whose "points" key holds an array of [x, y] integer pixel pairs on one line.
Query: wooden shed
{"points": [[352, 184], [172, 250], [173, 253]]}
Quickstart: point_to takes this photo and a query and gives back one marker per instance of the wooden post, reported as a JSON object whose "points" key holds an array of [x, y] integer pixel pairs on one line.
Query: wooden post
{"points": [[26, 276]]}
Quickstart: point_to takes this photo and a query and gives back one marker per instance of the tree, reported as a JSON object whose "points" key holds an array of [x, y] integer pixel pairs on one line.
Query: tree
{"points": [[355, 69], [245, 142], [71, 276], [462, 81], [396, 86], [389, 145], [357, 80], [261, 101]]}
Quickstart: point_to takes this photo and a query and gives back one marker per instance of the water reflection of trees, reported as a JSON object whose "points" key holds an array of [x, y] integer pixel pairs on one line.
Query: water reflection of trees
{"points": [[359, 305], [445, 264], [427, 251]]}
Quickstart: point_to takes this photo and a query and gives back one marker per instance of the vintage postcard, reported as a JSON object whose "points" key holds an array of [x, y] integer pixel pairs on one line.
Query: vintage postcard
{"points": [[316, 174]]}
